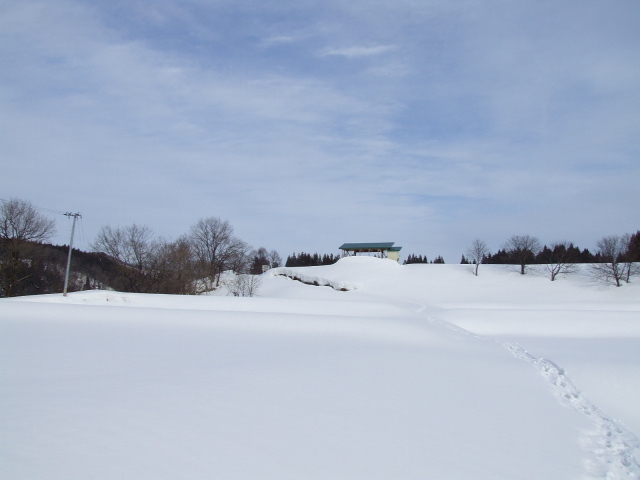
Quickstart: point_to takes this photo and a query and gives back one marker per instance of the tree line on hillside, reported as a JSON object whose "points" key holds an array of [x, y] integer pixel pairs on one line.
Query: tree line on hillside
{"points": [[554, 254], [615, 261], [420, 259], [303, 259], [133, 259], [39, 268], [127, 259], [192, 264]]}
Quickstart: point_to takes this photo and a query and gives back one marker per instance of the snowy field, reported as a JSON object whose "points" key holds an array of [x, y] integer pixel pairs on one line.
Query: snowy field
{"points": [[412, 372]]}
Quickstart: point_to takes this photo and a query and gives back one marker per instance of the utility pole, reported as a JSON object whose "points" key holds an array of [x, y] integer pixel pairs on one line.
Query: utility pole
{"points": [[73, 228]]}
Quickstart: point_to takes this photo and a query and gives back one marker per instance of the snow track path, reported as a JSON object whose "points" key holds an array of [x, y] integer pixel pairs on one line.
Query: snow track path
{"points": [[613, 449]]}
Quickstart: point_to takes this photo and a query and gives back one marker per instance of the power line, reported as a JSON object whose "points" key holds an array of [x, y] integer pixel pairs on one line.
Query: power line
{"points": [[49, 210], [83, 237], [44, 209]]}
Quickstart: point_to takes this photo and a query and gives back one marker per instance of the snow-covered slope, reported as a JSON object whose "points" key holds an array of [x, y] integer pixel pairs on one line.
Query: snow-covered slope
{"points": [[590, 328], [313, 382]]}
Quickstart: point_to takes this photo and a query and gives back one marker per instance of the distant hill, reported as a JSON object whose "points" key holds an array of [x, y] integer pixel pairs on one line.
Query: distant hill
{"points": [[42, 269]]}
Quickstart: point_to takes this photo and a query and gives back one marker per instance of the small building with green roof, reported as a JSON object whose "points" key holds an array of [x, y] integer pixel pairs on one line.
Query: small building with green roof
{"points": [[384, 249]]}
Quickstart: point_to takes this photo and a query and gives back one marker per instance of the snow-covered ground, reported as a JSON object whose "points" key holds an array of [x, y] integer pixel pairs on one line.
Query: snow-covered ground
{"points": [[417, 371]]}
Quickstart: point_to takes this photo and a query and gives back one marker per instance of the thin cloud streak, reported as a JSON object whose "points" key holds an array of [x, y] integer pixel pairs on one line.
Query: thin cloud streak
{"points": [[356, 51]]}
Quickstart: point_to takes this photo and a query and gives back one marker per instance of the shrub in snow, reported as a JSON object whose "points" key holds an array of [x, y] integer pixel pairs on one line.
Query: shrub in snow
{"points": [[244, 285]]}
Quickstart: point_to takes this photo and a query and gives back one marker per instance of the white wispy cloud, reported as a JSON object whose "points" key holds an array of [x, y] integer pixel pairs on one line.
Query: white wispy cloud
{"points": [[278, 40], [358, 51]]}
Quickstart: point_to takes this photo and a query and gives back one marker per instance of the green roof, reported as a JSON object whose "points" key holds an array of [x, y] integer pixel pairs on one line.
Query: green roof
{"points": [[368, 246]]}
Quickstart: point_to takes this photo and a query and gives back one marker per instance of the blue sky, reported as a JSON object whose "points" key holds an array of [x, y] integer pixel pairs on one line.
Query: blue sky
{"points": [[308, 124]]}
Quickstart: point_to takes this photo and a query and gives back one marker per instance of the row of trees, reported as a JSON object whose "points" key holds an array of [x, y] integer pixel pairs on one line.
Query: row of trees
{"points": [[556, 251], [191, 264], [308, 260], [129, 259], [420, 259], [615, 260], [132, 259]]}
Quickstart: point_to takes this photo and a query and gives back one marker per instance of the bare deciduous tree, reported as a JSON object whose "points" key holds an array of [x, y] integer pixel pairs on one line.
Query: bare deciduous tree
{"points": [[476, 252], [238, 257], [174, 268], [215, 247], [558, 259], [19, 220], [275, 260], [146, 264], [134, 249], [612, 267], [22, 228], [244, 285], [522, 249]]}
